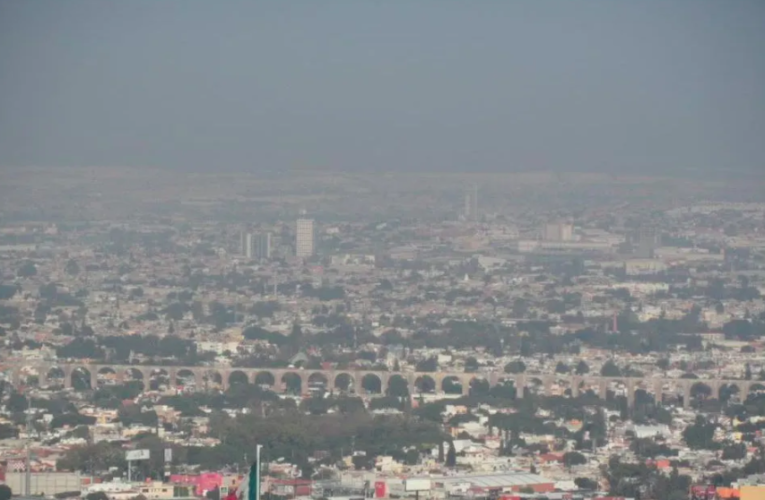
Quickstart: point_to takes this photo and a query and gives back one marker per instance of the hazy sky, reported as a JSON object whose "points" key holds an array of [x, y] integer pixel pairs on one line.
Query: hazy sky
{"points": [[388, 84]]}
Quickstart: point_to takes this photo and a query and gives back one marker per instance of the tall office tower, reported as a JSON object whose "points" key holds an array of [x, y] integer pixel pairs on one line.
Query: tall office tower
{"points": [[242, 243], [304, 238], [475, 202], [566, 232], [249, 246], [558, 231], [263, 246], [471, 204]]}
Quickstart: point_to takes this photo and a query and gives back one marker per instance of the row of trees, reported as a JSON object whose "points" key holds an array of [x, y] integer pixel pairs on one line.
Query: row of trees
{"points": [[119, 348], [290, 435]]}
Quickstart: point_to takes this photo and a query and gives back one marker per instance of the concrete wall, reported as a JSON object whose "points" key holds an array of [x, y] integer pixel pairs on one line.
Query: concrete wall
{"points": [[49, 483]]}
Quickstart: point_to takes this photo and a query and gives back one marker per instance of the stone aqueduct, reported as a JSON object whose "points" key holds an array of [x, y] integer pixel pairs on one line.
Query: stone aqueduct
{"points": [[223, 377]]}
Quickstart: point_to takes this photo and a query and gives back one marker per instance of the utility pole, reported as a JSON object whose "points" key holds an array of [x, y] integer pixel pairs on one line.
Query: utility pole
{"points": [[256, 494], [28, 474]]}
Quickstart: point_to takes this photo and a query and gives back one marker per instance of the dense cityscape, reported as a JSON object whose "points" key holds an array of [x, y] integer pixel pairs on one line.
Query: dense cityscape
{"points": [[355, 250], [483, 336]]}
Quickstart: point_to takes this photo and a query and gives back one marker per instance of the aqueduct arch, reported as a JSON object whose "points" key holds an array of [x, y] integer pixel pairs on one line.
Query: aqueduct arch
{"points": [[372, 384], [265, 379], [346, 383], [236, 377], [85, 376]]}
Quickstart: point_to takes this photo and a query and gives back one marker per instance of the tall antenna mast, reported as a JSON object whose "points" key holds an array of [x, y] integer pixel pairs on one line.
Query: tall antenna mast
{"points": [[475, 202], [28, 472]]}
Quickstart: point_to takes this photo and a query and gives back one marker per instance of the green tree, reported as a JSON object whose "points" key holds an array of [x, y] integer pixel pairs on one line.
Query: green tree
{"points": [[8, 291], [27, 270], [699, 435], [638, 480], [585, 483], [572, 458], [516, 366], [520, 308], [8, 432], [5, 492], [582, 368], [398, 387], [296, 335], [412, 457], [101, 455], [609, 369], [471, 365], [72, 268], [734, 451], [363, 462], [17, 403], [427, 365], [741, 329], [648, 448], [451, 455], [72, 419]]}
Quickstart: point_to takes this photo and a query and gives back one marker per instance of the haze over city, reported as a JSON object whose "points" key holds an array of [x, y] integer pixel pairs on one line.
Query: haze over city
{"points": [[343, 250], [394, 86]]}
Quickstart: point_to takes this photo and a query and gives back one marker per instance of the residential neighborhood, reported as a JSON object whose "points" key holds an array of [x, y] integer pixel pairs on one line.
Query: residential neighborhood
{"points": [[495, 354]]}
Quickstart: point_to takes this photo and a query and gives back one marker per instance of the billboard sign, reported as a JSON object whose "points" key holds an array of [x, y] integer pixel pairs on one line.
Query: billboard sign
{"points": [[132, 455], [416, 484], [168, 454]]}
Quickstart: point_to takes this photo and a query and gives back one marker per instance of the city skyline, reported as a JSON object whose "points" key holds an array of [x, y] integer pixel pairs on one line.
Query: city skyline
{"points": [[344, 250]]}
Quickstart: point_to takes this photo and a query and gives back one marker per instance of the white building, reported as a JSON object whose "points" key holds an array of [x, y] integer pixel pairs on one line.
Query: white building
{"points": [[249, 245], [558, 231], [304, 238], [636, 267], [651, 431]]}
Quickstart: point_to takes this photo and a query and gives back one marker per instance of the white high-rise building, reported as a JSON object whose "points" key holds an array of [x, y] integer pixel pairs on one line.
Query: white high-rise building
{"points": [[304, 238], [242, 242], [471, 204], [249, 245]]}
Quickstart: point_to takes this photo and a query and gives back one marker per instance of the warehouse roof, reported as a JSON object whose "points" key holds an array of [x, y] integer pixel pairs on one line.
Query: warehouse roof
{"points": [[501, 480]]}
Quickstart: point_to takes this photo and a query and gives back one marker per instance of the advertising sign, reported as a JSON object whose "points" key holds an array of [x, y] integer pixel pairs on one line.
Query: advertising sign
{"points": [[417, 484], [137, 455]]}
